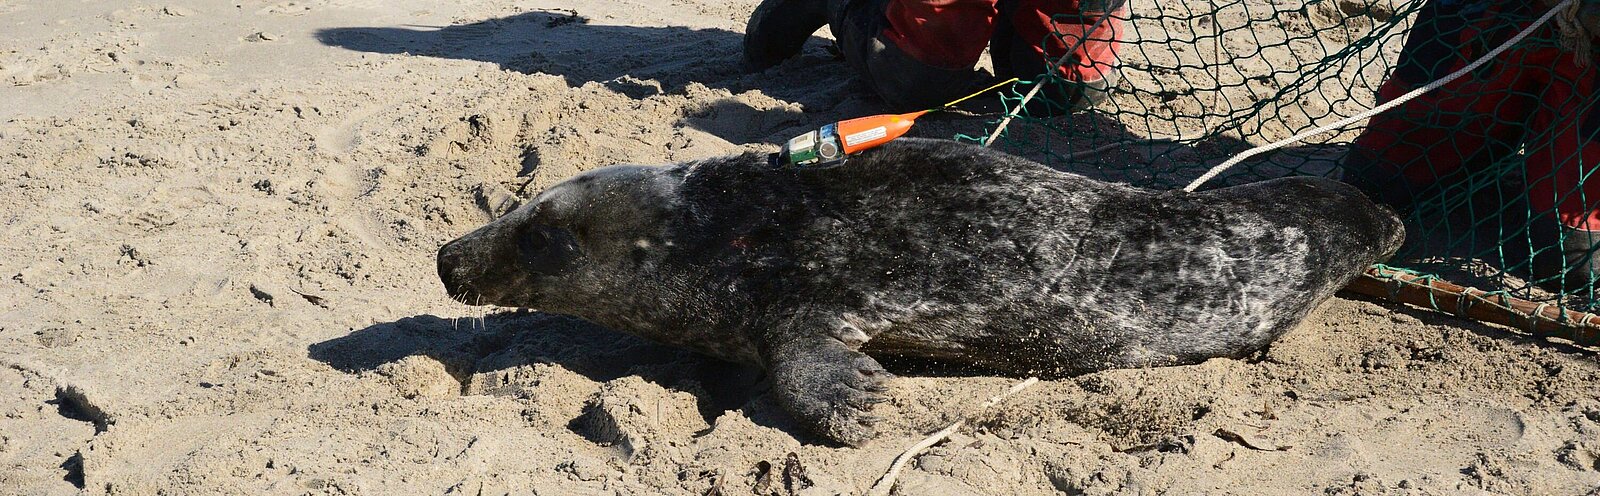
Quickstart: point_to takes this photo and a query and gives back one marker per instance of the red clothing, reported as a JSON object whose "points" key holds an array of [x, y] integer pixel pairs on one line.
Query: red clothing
{"points": [[1534, 96], [952, 34], [948, 34]]}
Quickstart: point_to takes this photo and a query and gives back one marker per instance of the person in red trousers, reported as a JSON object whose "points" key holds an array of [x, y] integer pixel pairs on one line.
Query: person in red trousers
{"points": [[1536, 100], [918, 54]]}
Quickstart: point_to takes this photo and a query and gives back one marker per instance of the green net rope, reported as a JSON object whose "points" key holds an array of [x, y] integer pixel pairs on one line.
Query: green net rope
{"points": [[1203, 81]]}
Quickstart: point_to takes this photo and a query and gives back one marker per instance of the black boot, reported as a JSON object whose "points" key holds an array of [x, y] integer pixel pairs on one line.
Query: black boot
{"points": [[903, 82], [1568, 265], [779, 28], [1578, 249]]}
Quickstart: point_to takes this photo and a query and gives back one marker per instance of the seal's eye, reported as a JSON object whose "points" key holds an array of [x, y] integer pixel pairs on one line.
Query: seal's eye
{"points": [[535, 240], [546, 249]]}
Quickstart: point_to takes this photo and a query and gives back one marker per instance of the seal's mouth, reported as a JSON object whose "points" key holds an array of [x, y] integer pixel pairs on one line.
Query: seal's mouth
{"points": [[466, 295]]}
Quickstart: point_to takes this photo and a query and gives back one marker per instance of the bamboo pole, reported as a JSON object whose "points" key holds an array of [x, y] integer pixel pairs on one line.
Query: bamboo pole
{"points": [[1538, 319]]}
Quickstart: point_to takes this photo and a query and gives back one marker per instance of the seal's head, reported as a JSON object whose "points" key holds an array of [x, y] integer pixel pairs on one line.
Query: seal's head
{"points": [[592, 236]]}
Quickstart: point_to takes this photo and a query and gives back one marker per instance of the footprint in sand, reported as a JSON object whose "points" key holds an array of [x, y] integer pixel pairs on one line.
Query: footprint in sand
{"points": [[342, 137], [260, 36]]}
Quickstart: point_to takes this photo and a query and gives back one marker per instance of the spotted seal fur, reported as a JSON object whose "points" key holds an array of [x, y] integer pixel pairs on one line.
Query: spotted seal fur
{"points": [[921, 248]]}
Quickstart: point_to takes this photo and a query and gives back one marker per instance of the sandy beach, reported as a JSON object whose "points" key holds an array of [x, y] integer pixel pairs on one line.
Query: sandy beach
{"points": [[218, 260]]}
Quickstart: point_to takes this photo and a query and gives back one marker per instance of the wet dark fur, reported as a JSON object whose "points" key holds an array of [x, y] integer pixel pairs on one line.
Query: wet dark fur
{"points": [[921, 248]]}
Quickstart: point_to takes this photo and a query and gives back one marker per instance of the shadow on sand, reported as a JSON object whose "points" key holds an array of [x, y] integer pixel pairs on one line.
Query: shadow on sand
{"points": [[512, 339], [635, 61]]}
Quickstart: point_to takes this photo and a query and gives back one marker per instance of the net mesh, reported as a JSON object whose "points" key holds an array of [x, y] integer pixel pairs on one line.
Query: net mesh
{"points": [[1498, 164]]}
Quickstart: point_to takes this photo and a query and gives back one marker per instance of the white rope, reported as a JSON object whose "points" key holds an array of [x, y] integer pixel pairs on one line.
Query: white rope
{"points": [[886, 483], [1381, 108]]}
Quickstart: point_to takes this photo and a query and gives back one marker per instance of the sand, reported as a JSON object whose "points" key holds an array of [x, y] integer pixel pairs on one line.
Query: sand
{"points": [[218, 269]]}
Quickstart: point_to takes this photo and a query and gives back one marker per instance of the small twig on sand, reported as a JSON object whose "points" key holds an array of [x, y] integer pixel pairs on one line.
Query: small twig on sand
{"points": [[885, 483]]}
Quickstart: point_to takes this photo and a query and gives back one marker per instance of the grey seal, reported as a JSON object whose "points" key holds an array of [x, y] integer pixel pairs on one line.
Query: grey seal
{"points": [[921, 248]]}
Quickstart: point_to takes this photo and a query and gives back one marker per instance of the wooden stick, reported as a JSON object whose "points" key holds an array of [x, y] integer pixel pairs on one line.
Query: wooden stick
{"points": [[886, 483], [1538, 319]]}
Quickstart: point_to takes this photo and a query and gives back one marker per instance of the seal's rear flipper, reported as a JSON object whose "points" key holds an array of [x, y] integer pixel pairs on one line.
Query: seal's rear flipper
{"points": [[828, 386]]}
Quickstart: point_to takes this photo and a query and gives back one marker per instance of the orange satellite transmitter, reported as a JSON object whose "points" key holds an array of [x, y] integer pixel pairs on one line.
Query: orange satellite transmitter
{"points": [[830, 145]]}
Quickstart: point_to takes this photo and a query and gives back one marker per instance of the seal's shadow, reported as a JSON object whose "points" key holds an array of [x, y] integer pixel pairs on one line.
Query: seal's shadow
{"points": [[509, 340], [513, 339]]}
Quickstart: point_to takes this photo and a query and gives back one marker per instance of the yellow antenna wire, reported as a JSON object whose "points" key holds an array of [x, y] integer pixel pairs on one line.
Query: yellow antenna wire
{"points": [[979, 92]]}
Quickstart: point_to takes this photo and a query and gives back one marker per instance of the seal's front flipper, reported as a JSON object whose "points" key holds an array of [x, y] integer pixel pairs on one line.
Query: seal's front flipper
{"points": [[828, 386]]}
